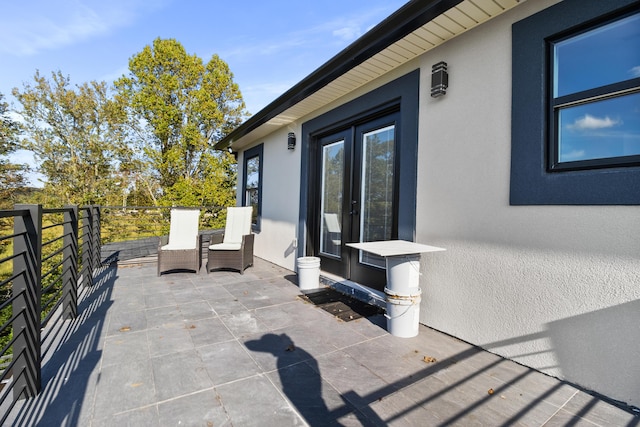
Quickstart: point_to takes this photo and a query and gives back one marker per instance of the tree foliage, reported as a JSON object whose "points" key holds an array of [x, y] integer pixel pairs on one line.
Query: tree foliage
{"points": [[79, 136], [12, 177], [185, 107]]}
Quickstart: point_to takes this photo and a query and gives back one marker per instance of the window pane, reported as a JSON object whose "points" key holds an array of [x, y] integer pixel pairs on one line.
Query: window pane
{"points": [[253, 183], [376, 219], [331, 203], [605, 55], [600, 130]]}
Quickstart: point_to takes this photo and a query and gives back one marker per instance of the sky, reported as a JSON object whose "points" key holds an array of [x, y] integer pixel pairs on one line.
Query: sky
{"points": [[270, 45]]}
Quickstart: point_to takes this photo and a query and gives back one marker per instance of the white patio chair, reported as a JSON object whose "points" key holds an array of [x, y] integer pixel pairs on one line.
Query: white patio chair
{"points": [[234, 248], [182, 249]]}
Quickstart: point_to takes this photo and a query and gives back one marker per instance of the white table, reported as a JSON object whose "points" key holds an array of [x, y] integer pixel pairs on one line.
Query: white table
{"points": [[389, 248], [403, 262], [403, 282]]}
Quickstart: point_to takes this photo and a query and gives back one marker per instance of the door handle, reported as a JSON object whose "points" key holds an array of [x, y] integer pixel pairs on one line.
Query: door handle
{"points": [[353, 210]]}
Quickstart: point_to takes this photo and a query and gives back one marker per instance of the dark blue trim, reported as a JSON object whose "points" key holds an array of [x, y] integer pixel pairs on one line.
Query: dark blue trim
{"points": [[257, 151], [531, 182], [401, 94]]}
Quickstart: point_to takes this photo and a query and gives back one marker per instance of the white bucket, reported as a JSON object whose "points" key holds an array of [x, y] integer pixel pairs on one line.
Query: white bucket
{"points": [[403, 274], [308, 273], [403, 314]]}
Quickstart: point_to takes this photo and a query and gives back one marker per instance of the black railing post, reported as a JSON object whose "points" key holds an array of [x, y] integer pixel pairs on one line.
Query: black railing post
{"points": [[70, 263], [27, 288], [87, 247], [96, 238]]}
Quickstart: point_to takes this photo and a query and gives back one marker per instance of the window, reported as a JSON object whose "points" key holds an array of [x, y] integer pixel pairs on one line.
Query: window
{"points": [[596, 96], [252, 183], [575, 103]]}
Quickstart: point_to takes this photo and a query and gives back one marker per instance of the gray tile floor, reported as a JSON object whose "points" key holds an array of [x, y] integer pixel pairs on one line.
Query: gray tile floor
{"points": [[242, 350]]}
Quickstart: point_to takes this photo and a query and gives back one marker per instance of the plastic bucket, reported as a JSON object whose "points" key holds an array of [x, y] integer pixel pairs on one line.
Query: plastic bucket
{"points": [[308, 273], [403, 314], [403, 274]]}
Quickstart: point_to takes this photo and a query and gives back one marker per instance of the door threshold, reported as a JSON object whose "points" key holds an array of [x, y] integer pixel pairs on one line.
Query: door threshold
{"points": [[357, 290]]}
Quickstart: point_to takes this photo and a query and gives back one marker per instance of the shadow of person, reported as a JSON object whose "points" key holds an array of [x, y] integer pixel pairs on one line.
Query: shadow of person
{"points": [[299, 377]]}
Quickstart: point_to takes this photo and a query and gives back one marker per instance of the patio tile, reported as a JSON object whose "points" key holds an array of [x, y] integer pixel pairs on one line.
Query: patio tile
{"points": [[197, 409], [195, 311], [177, 374], [159, 299], [243, 324], [185, 296], [350, 377], [125, 347], [314, 399], [169, 340], [399, 411], [147, 417], [227, 306], [208, 331], [131, 321], [163, 316], [124, 387], [228, 361], [231, 349], [599, 412], [214, 292], [256, 402], [275, 351]]}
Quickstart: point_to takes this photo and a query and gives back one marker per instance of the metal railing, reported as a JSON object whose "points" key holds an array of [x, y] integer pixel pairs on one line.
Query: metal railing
{"points": [[54, 254], [49, 258]]}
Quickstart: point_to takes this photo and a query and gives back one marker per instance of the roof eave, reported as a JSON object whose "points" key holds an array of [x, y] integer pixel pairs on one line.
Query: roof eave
{"points": [[405, 20]]}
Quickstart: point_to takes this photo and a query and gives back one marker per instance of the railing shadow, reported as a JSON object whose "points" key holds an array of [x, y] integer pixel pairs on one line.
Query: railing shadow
{"points": [[68, 372], [302, 383]]}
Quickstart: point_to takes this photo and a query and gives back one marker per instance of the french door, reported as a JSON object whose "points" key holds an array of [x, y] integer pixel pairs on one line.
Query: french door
{"points": [[357, 197]]}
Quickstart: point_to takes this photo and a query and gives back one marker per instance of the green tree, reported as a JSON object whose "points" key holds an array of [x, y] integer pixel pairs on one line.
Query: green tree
{"points": [[185, 106], [12, 178], [79, 135]]}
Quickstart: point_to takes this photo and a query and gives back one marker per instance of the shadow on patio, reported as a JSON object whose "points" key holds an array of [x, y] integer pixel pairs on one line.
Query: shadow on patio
{"points": [[231, 349]]}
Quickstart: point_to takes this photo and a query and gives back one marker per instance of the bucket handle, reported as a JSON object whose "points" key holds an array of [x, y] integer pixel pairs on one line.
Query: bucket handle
{"points": [[401, 314]]}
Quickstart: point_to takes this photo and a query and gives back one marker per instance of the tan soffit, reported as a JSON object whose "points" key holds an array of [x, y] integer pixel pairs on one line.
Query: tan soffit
{"points": [[452, 23]]}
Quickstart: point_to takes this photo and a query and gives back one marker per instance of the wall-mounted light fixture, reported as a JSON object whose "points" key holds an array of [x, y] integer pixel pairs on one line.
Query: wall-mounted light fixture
{"points": [[439, 79], [291, 141]]}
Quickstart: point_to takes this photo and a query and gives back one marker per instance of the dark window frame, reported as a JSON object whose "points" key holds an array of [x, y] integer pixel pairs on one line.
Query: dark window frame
{"points": [[585, 97], [533, 179], [257, 151]]}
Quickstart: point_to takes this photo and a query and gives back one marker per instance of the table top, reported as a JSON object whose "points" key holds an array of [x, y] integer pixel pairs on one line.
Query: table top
{"points": [[394, 247]]}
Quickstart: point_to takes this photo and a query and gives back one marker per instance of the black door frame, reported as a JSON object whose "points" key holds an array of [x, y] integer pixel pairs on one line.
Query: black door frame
{"points": [[400, 95]]}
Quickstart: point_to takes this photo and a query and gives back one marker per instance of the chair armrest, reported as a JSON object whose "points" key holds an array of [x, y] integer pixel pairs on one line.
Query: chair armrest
{"points": [[214, 239], [247, 240], [164, 240]]}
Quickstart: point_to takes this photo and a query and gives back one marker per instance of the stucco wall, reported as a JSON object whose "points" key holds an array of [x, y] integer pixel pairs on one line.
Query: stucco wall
{"points": [[553, 287], [280, 200]]}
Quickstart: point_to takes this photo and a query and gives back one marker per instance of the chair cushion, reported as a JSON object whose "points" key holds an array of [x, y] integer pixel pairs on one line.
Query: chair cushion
{"points": [[226, 247], [238, 224], [184, 229]]}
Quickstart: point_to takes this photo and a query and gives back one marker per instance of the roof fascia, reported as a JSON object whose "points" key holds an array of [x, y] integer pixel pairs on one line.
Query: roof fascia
{"points": [[401, 23]]}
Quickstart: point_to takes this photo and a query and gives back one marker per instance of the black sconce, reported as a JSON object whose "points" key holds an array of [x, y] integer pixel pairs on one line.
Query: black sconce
{"points": [[439, 79], [291, 141]]}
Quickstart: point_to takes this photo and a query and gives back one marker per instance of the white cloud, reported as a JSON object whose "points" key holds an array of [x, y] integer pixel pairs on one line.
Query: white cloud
{"points": [[46, 25], [573, 156], [589, 122], [347, 33], [635, 71]]}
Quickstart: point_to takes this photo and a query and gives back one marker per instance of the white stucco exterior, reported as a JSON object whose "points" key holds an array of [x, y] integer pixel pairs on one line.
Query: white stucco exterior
{"points": [[556, 288], [276, 240]]}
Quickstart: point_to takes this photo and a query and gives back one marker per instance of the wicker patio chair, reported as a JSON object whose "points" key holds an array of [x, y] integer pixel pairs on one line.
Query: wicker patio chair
{"points": [[234, 248], [182, 249]]}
